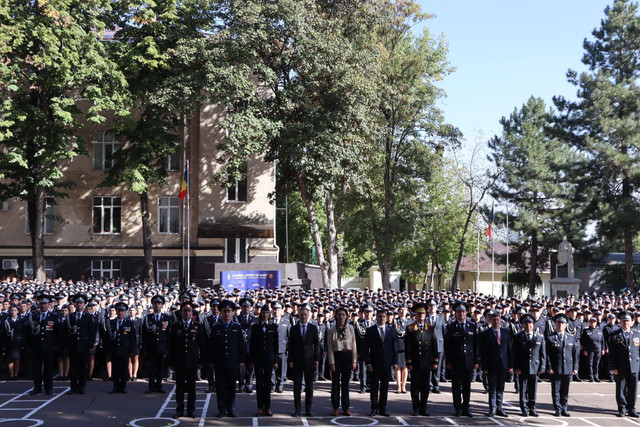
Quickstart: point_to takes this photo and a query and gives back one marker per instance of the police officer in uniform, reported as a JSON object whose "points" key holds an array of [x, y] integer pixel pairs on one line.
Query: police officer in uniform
{"points": [[592, 346], [226, 353], [529, 361], [284, 324], [185, 357], [437, 323], [460, 347], [122, 340], [360, 328], [155, 334], [421, 352], [263, 355], [44, 335], [624, 359], [575, 327], [208, 322], [82, 331], [563, 360], [246, 319]]}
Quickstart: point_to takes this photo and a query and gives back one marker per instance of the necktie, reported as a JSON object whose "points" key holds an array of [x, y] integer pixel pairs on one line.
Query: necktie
{"points": [[431, 320], [78, 316], [529, 337], [382, 333], [157, 317], [304, 332], [498, 336]]}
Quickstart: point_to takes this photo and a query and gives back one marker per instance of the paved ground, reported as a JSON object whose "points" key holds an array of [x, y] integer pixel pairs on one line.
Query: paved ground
{"points": [[590, 404]]}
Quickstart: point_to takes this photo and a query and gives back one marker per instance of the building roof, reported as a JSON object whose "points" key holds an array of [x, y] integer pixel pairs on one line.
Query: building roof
{"points": [[470, 263]]}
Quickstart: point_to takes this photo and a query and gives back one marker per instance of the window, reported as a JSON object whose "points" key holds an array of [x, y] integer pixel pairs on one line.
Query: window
{"points": [[4, 206], [104, 147], [238, 191], [167, 270], [235, 250], [169, 215], [49, 215], [106, 215], [172, 162], [106, 268], [28, 268]]}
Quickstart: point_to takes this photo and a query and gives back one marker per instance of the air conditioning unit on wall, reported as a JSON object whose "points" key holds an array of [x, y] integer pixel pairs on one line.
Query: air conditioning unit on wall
{"points": [[9, 264]]}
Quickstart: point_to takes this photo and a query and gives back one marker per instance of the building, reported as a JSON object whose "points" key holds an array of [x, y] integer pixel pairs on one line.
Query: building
{"points": [[101, 235], [488, 279]]}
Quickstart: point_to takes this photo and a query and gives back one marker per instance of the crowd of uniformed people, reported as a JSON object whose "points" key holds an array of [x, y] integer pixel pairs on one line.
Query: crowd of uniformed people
{"points": [[114, 329]]}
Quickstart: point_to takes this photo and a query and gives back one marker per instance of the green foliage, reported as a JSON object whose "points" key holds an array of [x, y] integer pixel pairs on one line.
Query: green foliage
{"points": [[519, 281], [613, 278]]}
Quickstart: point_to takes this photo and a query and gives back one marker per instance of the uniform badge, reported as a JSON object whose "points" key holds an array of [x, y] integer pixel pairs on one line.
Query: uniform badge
{"points": [[164, 325], [636, 342], [127, 329], [49, 326]]}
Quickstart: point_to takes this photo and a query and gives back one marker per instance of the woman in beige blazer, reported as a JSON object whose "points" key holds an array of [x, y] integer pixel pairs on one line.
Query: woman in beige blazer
{"points": [[342, 355]]}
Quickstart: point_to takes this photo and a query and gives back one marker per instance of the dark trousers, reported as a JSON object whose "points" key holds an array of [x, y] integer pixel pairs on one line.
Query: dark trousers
{"points": [[156, 367], [263, 372], [365, 381], [435, 378], [626, 386], [560, 391], [593, 361], [280, 374], [528, 390], [42, 367], [78, 365], [320, 370], [226, 389], [245, 378], [340, 379], [186, 382], [460, 388], [119, 372], [420, 385], [300, 372], [496, 380], [380, 388]]}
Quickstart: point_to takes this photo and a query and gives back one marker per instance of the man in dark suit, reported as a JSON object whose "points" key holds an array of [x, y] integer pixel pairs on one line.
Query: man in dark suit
{"points": [[44, 336], [155, 335], [380, 356], [284, 324], [496, 359], [460, 347], [122, 340], [82, 333], [185, 357], [437, 323], [624, 360], [226, 353], [246, 319], [529, 361], [263, 353], [304, 357], [562, 363], [422, 358]]}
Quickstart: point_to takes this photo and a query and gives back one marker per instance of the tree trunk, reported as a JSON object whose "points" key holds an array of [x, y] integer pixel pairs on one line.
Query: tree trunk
{"points": [[628, 236], [36, 209], [332, 248], [146, 237], [385, 272], [454, 279], [340, 233], [315, 230], [533, 264]]}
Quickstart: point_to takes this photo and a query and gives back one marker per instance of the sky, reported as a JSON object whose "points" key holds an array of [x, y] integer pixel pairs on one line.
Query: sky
{"points": [[505, 52]]}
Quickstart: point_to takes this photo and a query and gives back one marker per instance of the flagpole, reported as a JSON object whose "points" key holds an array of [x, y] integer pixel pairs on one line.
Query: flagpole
{"points": [[478, 261], [507, 245], [188, 227], [493, 262]]}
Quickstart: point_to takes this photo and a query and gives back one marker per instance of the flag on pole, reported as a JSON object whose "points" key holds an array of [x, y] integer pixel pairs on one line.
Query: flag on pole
{"points": [[183, 185], [490, 229]]}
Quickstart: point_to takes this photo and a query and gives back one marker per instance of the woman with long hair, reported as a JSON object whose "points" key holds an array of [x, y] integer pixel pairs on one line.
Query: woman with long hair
{"points": [[342, 355], [14, 330]]}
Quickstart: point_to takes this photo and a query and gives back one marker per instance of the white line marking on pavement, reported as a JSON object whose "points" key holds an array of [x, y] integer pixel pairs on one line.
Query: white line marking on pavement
{"points": [[16, 397], [402, 421], [589, 422], [166, 402], [46, 403], [305, 423], [255, 422], [205, 409], [632, 421], [449, 420], [495, 421]]}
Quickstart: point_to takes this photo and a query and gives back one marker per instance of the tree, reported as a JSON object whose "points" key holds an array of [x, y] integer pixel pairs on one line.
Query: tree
{"points": [[603, 123], [531, 178], [52, 60], [410, 128]]}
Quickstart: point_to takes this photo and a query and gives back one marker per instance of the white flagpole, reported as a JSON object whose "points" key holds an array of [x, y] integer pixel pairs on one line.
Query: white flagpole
{"points": [[507, 245], [478, 262], [188, 226]]}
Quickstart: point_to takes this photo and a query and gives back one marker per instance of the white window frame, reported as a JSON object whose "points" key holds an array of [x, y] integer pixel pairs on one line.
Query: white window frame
{"points": [[49, 222], [106, 266], [172, 206], [102, 216], [102, 140], [27, 268], [237, 258], [164, 269], [172, 162]]}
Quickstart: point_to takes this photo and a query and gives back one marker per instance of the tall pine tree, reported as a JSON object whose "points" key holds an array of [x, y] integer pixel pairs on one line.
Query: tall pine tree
{"points": [[604, 123]]}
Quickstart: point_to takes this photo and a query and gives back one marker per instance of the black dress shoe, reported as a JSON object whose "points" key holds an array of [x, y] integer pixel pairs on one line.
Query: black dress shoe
{"points": [[501, 413], [565, 414], [436, 390], [149, 391], [296, 413], [424, 413], [457, 413], [113, 391], [308, 413], [384, 413], [620, 414], [524, 412], [71, 392], [220, 414], [415, 413], [467, 413], [372, 413], [577, 379], [279, 390], [191, 415], [178, 415], [533, 413], [80, 391], [556, 414], [490, 414], [48, 392], [633, 414], [597, 380], [231, 414]]}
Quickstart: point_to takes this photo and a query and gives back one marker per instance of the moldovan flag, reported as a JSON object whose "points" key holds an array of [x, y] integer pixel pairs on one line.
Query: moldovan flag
{"points": [[490, 229], [183, 185]]}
